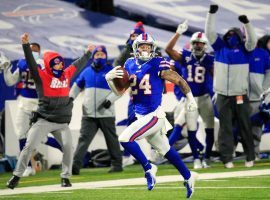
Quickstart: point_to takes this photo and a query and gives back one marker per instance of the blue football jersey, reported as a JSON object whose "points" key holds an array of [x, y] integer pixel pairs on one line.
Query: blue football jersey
{"points": [[26, 87], [146, 84], [196, 72]]}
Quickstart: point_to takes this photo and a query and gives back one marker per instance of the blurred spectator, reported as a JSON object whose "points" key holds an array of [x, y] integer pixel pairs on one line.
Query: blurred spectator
{"points": [[259, 81], [20, 76], [54, 109], [98, 111], [231, 82]]}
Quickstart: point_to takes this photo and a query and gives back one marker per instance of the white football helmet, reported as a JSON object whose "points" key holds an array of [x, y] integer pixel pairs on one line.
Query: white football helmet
{"points": [[198, 37], [144, 38]]}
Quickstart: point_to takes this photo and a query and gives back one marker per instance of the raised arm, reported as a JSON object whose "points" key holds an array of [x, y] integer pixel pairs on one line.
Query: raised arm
{"points": [[175, 55], [251, 39], [124, 55], [175, 78], [29, 57], [81, 62], [210, 24], [11, 77]]}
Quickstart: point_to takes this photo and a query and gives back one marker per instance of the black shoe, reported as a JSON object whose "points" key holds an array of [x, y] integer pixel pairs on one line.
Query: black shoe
{"points": [[115, 169], [65, 182], [13, 182], [75, 170]]}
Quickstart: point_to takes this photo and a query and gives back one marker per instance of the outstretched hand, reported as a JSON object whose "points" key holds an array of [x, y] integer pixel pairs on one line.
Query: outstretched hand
{"points": [[182, 27], [91, 47], [25, 38]]}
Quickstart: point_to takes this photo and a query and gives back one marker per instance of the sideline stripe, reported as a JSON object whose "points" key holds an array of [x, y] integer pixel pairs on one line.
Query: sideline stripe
{"points": [[132, 182]]}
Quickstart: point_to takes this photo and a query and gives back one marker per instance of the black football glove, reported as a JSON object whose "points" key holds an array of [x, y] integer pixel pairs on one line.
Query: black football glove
{"points": [[213, 8], [243, 19], [105, 104]]}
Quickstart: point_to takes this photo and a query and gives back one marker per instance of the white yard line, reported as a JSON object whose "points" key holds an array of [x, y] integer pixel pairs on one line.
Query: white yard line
{"points": [[132, 182]]}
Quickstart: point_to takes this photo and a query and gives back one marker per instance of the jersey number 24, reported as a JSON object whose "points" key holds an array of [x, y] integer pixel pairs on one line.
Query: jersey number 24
{"points": [[144, 84]]}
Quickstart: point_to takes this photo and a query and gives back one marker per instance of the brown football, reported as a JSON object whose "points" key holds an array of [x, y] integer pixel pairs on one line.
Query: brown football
{"points": [[122, 83]]}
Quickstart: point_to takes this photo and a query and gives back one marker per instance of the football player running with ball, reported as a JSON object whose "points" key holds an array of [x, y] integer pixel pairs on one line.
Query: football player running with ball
{"points": [[146, 75]]}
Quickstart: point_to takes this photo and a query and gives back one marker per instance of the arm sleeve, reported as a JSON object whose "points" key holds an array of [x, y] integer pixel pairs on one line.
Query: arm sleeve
{"points": [[124, 55], [81, 62], [112, 97], [11, 78], [74, 91], [31, 63], [251, 40], [163, 65], [210, 29], [266, 81]]}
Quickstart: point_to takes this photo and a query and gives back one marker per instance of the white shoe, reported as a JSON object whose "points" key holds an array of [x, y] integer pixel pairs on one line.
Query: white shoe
{"points": [[197, 164], [29, 172], [150, 176], [190, 184], [127, 160], [249, 164], [229, 165], [205, 164]]}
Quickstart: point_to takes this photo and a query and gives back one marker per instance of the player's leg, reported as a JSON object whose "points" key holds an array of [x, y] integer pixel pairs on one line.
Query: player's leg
{"points": [[206, 111], [160, 142], [256, 123], [142, 128], [64, 137], [35, 135], [191, 120], [88, 131], [107, 125], [52, 142], [243, 121], [178, 126], [225, 135], [22, 126]]}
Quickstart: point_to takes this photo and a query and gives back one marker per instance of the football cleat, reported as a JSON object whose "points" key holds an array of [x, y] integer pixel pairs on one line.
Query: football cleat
{"points": [[197, 164], [190, 185], [150, 176], [205, 163], [229, 165], [29, 172], [13, 182], [249, 164], [65, 182]]}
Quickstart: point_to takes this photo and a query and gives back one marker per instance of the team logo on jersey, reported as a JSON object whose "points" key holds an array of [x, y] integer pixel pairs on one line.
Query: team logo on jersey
{"points": [[188, 58], [56, 83]]}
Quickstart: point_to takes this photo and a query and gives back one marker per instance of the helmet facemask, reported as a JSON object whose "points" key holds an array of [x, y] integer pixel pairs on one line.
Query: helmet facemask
{"points": [[198, 48], [198, 43], [144, 47]]}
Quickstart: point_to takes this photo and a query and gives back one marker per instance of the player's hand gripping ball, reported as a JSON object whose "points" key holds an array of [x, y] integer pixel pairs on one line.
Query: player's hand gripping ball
{"points": [[123, 82]]}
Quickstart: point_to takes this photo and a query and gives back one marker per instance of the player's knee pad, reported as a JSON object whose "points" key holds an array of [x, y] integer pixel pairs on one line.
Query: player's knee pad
{"points": [[191, 120]]}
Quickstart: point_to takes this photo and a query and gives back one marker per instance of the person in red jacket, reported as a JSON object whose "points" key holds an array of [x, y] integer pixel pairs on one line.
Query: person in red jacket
{"points": [[54, 108]]}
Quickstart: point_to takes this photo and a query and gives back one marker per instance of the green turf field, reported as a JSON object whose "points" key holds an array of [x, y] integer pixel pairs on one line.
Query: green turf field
{"points": [[233, 188]]}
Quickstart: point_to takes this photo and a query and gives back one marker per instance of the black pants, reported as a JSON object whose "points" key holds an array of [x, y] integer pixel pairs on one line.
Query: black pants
{"points": [[229, 111], [89, 128]]}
